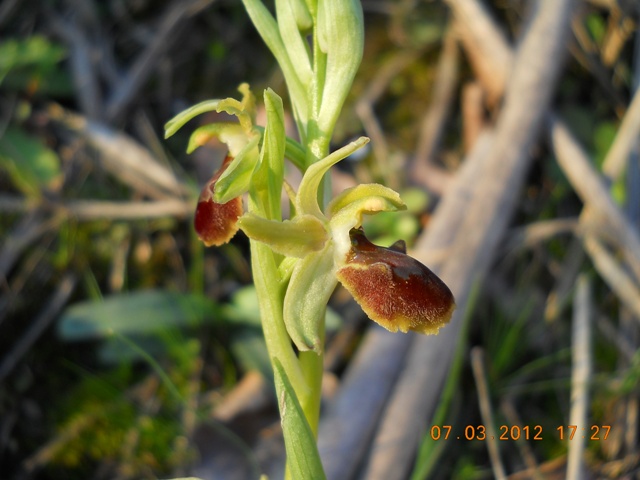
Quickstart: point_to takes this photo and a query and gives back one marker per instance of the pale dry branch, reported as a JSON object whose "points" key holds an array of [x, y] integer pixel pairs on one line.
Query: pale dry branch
{"points": [[485, 44], [626, 141], [591, 188], [580, 377], [610, 270]]}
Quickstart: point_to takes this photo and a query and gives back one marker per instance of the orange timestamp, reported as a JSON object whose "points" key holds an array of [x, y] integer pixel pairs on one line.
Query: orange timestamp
{"points": [[516, 432]]}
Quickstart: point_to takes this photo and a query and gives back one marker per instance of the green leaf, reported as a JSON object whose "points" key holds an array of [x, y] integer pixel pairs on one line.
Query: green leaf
{"points": [[30, 164], [134, 313], [303, 459], [33, 51]]}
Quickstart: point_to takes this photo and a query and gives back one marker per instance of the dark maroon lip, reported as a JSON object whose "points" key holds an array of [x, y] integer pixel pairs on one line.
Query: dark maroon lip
{"points": [[395, 289]]}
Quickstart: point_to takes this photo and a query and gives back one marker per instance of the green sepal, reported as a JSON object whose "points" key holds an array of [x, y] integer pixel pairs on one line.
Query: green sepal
{"points": [[312, 283], [303, 458], [236, 179], [307, 198], [298, 237], [266, 182], [177, 122]]}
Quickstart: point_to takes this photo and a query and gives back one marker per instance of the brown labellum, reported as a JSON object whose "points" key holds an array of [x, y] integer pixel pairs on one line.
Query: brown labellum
{"points": [[216, 223], [394, 289]]}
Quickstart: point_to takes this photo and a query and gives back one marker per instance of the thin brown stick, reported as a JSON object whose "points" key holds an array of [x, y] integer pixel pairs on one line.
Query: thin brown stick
{"points": [[39, 324], [144, 64], [365, 110]]}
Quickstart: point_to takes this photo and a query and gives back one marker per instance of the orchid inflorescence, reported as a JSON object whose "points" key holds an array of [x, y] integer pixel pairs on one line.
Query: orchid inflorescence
{"points": [[297, 261], [316, 247]]}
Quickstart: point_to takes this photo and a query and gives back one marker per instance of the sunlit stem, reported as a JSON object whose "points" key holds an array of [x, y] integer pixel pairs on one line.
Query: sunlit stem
{"points": [[270, 298]]}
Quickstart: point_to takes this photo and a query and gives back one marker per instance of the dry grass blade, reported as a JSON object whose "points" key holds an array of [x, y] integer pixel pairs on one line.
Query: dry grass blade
{"points": [[580, 378], [610, 270], [482, 386], [92, 210], [123, 157]]}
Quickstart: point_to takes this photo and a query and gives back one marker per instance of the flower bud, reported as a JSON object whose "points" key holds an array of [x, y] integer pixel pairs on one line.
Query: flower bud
{"points": [[216, 223], [394, 289]]}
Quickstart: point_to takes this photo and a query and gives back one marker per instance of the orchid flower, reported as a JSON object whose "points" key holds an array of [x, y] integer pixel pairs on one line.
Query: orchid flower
{"points": [[316, 247]]}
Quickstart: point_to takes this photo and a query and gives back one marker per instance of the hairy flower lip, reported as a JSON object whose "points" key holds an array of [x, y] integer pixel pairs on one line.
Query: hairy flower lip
{"points": [[394, 289], [216, 223]]}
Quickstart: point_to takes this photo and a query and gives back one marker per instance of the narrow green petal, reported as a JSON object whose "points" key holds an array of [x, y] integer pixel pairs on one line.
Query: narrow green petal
{"points": [[312, 283], [293, 238], [235, 107], [177, 122]]}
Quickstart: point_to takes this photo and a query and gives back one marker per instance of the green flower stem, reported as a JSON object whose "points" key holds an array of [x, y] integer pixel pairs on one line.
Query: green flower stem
{"points": [[312, 367], [270, 299]]}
